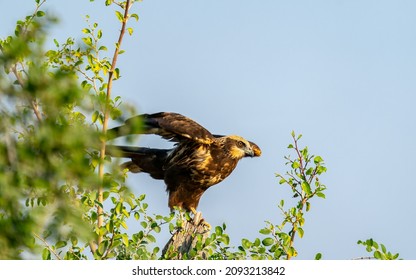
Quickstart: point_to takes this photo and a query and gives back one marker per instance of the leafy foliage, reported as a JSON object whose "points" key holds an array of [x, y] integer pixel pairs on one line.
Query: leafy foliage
{"points": [[62, 198], [44, 142], [379, 250], [303, 181]]}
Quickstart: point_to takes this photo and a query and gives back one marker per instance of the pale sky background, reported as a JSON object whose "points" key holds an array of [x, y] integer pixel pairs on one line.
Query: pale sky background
{"points": [[342, 73]]}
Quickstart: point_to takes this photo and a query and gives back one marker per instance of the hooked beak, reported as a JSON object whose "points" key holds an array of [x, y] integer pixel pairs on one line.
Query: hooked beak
{"points": [[254, 150]]}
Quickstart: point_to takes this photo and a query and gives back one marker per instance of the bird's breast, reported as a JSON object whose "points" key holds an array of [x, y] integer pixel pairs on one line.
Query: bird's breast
{"points": [[211, 170], [205, 165]]}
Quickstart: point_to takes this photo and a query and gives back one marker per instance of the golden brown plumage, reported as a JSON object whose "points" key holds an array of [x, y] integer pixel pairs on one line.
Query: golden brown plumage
{"points": [[198, 160]]}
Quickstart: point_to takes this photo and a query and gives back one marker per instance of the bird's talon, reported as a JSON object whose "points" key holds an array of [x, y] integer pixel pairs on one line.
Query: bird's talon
{"points": [[205, 224]]}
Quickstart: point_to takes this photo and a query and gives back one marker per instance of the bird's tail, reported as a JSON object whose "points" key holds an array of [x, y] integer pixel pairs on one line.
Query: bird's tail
{"points": [[141, 159], [129, 151]]}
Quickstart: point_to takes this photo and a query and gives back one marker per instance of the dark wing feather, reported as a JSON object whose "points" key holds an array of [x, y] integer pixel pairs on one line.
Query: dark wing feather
{"points": [[146, 160], [130, 151], [171, 126]]}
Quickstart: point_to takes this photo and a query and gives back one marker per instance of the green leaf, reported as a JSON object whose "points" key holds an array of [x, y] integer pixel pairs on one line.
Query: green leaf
{"points": [[218, 231], [318, 256], [130, 31], [226, 239], [60, 244], [40, 13], [125, 239], [321, 195], [383, 248], [306, 188], [116, 73], [137, 216], [301, 232], [188, 216], [118, 208], [46, 254], [246, 243], [110, 226], [106, 194], [265, 231], [157, 229], [135, 16], [304, 152], [95, 116], [102, 248], [124, 225], [87, 41], [125, 213], [171, 227], [74, 240], [268, 241], [119, 16], [151, 238], [295, 164], [378, 255], [99, 34], [317, 160], [310, 171], [321, 169]]}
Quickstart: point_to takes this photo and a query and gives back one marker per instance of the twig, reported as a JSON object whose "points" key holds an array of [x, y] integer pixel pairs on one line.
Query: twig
{"points": [[302, 195], [47, 246], [13, 68], [100, 220], [363, 258]]}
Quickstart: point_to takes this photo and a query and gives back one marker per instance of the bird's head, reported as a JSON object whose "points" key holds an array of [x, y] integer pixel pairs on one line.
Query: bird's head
{"points": [[240, 147]]}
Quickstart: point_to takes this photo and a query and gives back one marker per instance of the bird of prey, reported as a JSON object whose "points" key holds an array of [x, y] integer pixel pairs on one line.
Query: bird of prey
{"points": [[197, 161]]}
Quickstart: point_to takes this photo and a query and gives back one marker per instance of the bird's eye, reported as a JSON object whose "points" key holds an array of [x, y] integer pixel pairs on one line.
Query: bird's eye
{"points": [[241, 144]]}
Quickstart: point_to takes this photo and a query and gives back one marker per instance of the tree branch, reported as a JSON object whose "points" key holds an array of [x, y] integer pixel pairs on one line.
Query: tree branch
{"points": [[47, 246], [185, 238], [100, 220]]}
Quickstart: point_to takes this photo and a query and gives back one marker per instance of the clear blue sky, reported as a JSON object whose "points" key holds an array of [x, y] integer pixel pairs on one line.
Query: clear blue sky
{"points": [[342, 73]]}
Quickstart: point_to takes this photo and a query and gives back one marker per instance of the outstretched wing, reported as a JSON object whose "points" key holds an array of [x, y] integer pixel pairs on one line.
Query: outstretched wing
{"points": [[171, 126]]}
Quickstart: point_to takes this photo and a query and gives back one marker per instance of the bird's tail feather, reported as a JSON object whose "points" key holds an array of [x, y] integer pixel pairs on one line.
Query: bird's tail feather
{"points": [[129, 151], [141, 159]]}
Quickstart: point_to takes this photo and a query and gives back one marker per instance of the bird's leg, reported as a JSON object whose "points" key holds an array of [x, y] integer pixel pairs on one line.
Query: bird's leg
{"points": [[193, 210], [198, 220]]}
